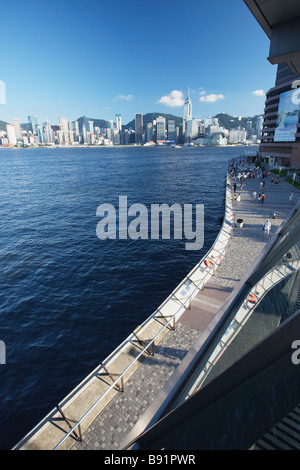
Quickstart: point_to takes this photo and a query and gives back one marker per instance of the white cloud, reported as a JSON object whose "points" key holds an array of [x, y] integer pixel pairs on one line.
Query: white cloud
{"points": [[258, 93], [175, 98], [212, 98], [124, 97]]}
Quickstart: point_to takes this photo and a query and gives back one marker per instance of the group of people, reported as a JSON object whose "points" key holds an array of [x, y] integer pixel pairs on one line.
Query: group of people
{"points": [[261, 197], [240, 171], [240, 174]]}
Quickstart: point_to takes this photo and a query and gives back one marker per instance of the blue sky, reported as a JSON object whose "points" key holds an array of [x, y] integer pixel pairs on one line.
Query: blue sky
{"points": [[98, 58]]}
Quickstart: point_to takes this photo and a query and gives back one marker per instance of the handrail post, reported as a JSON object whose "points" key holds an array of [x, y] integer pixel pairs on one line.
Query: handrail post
{"points": [[79, 438]]}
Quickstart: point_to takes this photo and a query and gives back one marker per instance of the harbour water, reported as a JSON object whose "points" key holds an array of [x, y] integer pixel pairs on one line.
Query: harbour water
{"points": [[68, 299]]}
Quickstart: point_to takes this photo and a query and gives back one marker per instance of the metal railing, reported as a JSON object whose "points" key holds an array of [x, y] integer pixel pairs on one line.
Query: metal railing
{"points": [[279, 260], [268, 282], [205, 270]]}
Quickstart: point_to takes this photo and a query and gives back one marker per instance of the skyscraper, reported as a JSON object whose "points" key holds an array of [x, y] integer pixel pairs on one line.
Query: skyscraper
{"points": [[63, 122], [48, 133], [171, 131], [34, 122], [17, 127], [249, 129], [160, 129], [150, 132], [138, 128], [91, 127], [119, 122], [11, 134], [187, 114]]}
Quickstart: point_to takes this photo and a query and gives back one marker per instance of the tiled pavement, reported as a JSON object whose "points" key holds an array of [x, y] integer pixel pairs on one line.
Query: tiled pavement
{"points": [[110, 428]]}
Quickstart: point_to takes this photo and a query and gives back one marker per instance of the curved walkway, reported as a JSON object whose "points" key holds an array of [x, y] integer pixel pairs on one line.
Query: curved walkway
{"points": [[110, 428]]}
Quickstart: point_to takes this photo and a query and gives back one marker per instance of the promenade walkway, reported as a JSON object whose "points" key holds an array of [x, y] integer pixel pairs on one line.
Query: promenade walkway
{"points": [[109, 430]]}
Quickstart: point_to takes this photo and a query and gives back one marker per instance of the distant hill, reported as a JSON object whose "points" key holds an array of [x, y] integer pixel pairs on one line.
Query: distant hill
{"points": [[149, 117], [97, 122], [232, 122], [225, 120]]}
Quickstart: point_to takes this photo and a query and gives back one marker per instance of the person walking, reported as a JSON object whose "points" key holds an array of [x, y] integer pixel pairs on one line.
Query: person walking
{"points": [[254, 194], [267, 227], [263, 197]]}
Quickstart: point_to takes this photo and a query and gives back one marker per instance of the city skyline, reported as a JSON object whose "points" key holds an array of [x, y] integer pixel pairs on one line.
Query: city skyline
{"points": [[163, 129], [142, 58]]}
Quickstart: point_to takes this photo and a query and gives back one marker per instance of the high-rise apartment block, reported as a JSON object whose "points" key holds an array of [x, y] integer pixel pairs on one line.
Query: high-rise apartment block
{"points": [[160, 129], [17, 127], [119, 122], [138, 128]]}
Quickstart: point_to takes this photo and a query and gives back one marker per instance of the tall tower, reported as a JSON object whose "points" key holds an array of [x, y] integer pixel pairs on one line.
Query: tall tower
{"points": [[138, 128], [34, 122], [11, 134], [119, 122], [17, 127], [160, 129], [187, 115], [188, 108]]}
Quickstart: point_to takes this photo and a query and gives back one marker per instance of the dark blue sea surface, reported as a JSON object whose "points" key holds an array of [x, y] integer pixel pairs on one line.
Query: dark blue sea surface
{"points": [[68, 299]]}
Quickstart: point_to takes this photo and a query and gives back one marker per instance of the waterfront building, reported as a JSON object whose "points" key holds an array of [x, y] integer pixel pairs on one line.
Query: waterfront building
{"points": [[149, 132], [11, 134], [179, 134], [63, 123], [249, 129], [33, 122], [138, 128], [40, 134], [76, 129], [280, 141], [48, 133], [237, 136], [4, 142], [86, 123], [84, 134], [187, 116], [211, 125], [171, 131], [116, 137], [91, 127], [119, 122], [108, 133], [160, 129], [17, 126]]}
